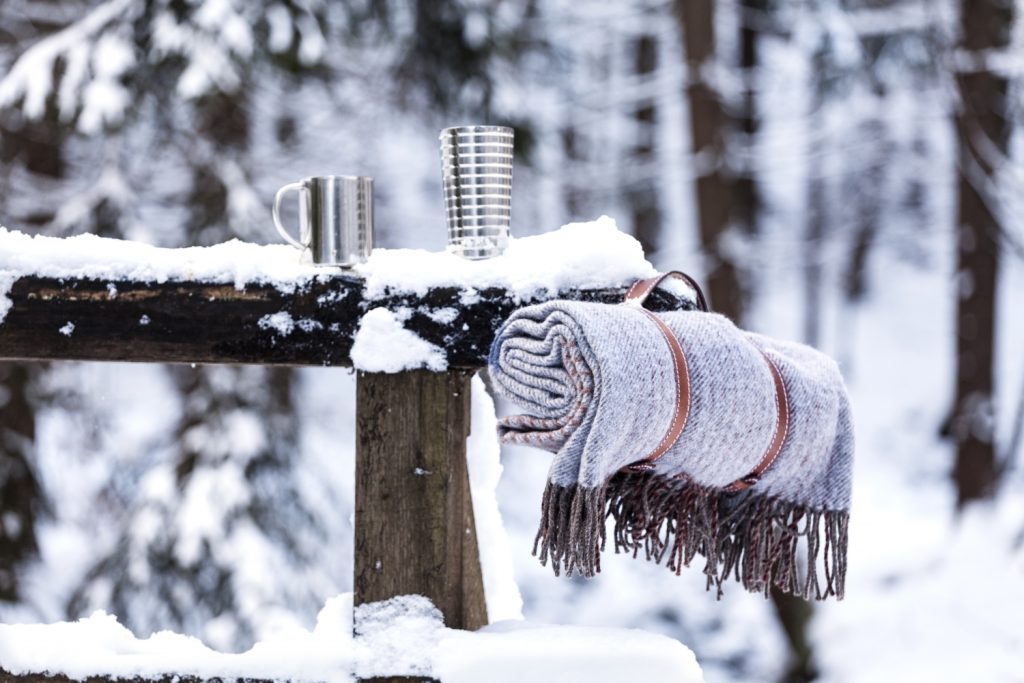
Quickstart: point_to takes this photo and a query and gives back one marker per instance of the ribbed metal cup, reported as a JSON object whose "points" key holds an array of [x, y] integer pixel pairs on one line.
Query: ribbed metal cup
{"points": [[476, 169]]}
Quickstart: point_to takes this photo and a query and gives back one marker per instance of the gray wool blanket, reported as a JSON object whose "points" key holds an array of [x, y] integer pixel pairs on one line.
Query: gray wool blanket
{"points": [[601, 392]]}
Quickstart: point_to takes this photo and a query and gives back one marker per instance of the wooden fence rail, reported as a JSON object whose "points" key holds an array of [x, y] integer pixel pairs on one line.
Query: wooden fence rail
{"points": [[206, 322]]}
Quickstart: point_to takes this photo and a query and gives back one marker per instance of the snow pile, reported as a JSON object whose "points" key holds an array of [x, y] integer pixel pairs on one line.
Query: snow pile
{"points": [[397, 636], [516, 652], [401, 636], [483, 453], [99, 645], [99, 258], [579, 255], [383, 345]]}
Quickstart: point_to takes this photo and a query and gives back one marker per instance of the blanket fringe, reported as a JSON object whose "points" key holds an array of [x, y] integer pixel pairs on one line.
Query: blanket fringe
{"points": [[751, 537]]}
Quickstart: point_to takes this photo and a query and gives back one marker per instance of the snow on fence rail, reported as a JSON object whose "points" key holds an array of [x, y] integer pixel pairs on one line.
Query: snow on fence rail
{"points": [[416, 324]]}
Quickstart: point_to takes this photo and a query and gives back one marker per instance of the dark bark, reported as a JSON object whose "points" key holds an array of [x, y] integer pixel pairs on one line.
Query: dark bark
{"points": [[195, 322], [20, 493], [643, 197], [794, 615], [983, 131], [707, 134], [747, 203], [572, 149], [812, 271]]}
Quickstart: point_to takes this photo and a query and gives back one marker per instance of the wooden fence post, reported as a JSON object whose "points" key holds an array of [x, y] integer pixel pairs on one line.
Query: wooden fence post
{"points": [[414, 530]]}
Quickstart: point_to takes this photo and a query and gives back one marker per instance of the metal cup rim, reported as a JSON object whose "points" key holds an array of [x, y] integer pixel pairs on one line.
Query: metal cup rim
{"points": [[476, 129], [339, 177]]}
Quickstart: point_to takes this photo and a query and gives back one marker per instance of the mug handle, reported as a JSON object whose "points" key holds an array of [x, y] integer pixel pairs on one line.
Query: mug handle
{"points": [[277, 214]]}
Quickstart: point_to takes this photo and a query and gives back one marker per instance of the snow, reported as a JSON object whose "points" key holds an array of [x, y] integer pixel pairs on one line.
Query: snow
{"points": [[517, 652], [383, 345], [104, 98], [579, 255], [100, 645], [401, 636], [89, 256], [584, 255], [401, 633], [7, 279], [444, 316], [944, 604], [30, 78], [213, 494], [281, 322], [483, 454], [279, 23]]}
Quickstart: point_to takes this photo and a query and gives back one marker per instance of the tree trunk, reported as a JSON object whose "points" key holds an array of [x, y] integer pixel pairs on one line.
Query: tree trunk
{"points": [[20, 494], [817, 215], [643, 198], [795, 616], [747, 198], [983, 133], [707, 133]]}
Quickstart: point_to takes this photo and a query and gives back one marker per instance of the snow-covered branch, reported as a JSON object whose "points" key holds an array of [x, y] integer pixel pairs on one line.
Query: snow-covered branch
{"points": [[92, 67]]}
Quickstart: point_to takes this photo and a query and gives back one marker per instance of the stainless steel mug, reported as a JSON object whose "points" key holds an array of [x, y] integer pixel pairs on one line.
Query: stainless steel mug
{"points": [[476, 169], [335, 218]]}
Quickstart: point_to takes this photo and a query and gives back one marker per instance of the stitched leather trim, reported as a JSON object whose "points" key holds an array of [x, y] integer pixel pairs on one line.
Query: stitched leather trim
{"points": [[682, 409], [779, 438]]}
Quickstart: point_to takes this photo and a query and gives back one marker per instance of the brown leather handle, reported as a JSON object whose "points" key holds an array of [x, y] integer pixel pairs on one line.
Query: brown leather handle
{"points": [[641, 289]]}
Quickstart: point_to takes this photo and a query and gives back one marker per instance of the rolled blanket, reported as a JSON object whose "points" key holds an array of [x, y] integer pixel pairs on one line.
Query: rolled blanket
{"points": [[694, 436]]}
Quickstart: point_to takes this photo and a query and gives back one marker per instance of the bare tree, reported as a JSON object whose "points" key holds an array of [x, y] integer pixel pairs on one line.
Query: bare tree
{"points": [[643, 197], [983, 131], [707, 134], [753, 14], [20, 494]]}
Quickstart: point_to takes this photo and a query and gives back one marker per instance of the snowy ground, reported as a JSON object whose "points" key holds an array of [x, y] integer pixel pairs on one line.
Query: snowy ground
{"points": [[403, 636]]}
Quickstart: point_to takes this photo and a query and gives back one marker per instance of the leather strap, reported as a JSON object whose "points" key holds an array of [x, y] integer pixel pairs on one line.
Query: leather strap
{"points": [[636, 295], [779, 438], [682, 411]]}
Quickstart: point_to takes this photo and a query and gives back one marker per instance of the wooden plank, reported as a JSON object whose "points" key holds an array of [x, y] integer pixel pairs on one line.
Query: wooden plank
{"points": [[197, 322], [414, 530]]}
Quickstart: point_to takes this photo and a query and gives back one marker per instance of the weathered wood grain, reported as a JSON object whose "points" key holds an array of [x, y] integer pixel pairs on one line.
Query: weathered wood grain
{"points": [[197, 322], [414, 530]]}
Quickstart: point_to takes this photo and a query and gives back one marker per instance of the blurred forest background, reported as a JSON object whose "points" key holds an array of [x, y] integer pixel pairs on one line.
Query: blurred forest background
{"points": [[843, 172]]}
